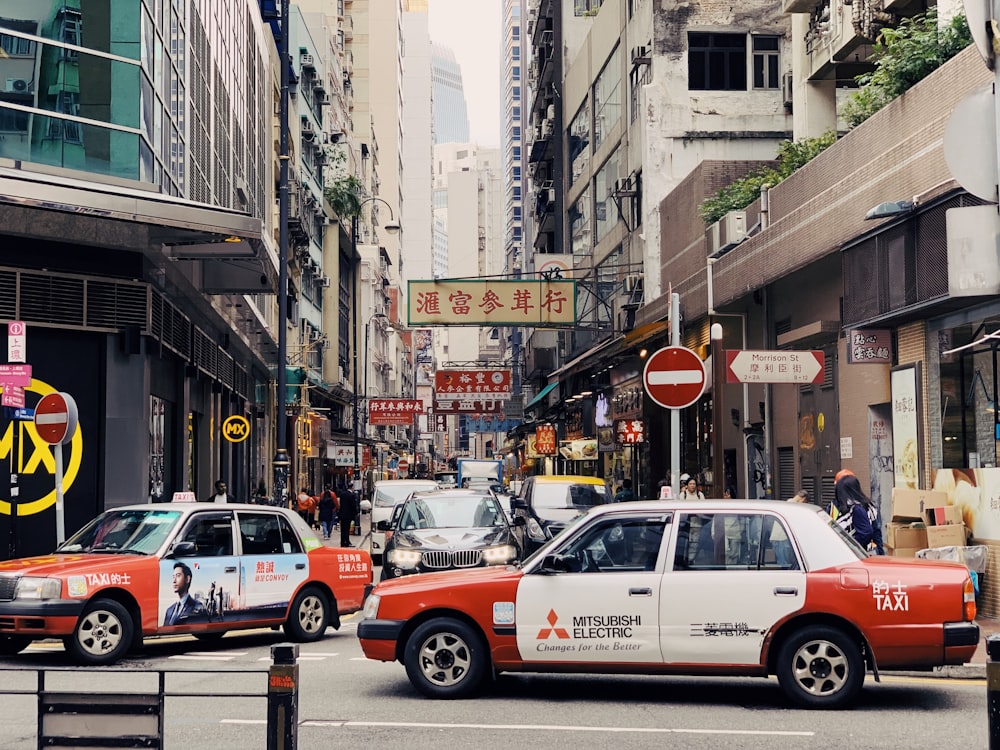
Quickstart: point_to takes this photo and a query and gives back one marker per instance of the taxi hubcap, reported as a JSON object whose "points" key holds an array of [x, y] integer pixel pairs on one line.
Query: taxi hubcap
{"points": [[820, 667], [445, 659], [100, 632], [310, 614]]}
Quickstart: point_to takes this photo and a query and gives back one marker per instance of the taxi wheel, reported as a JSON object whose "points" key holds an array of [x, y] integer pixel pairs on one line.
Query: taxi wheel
{"points": [[13, 644], [445, 658], [821, 667], [309, 616], [102, 635]]}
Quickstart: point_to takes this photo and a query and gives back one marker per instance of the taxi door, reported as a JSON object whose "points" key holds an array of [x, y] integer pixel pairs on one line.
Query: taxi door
{"points": [[273, 566], [604, 607], [732, 577]]}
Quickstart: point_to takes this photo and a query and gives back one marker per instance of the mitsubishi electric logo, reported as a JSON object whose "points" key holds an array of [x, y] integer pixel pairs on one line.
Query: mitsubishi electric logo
{"points": [[544, 633]]}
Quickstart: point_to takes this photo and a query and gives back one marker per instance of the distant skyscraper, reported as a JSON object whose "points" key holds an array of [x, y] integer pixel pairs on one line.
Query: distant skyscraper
{"points": [[451, 116]]}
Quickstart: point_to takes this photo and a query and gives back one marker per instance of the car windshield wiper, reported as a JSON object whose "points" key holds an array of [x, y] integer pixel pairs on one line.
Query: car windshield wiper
{"points": [[117, 551]]}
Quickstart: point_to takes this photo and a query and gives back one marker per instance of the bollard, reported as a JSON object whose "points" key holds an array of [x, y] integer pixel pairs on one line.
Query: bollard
{"points": [[993, 689], [283, 698]]}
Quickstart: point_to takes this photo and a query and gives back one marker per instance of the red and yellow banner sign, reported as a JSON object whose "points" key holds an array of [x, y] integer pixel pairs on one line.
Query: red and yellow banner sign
{"points": [[483, 384], [398, 411]]}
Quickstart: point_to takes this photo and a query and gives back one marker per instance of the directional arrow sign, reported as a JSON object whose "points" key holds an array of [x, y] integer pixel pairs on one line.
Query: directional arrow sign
{"points": [[774, 367]]}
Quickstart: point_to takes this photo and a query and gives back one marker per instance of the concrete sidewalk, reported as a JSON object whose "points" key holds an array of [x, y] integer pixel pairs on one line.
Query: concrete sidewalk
{"points": [[358, 540]]}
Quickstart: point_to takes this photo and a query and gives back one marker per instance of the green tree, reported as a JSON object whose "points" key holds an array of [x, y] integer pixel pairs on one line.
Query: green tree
{"points": [[343, 191], [903, 56]]}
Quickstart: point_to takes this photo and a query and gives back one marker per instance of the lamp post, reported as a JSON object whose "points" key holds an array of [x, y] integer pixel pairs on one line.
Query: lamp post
{"points": [[391, 226], [280, 463], [718, 383]]}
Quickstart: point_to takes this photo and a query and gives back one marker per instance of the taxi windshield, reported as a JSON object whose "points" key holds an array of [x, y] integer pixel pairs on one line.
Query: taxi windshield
{"points": [[138, 532], [569, 495]]}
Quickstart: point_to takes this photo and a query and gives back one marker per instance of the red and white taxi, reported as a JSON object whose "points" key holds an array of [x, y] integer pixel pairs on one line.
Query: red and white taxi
{"points": [[752, 588], [198, 568]]}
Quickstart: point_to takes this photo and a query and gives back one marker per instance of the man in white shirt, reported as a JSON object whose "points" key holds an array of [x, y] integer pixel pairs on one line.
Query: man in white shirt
{"points": [[221, 494]]}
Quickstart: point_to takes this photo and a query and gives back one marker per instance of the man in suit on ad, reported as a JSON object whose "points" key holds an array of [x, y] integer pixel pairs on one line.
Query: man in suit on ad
{"points": [[186, 605]]}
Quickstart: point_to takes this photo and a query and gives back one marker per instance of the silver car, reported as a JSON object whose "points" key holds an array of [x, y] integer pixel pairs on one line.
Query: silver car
{"points": [[388, 494]]}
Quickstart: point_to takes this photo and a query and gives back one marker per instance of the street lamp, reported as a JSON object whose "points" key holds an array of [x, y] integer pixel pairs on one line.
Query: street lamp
{"points": [[391, 226], [280, 463], [718, 383]]}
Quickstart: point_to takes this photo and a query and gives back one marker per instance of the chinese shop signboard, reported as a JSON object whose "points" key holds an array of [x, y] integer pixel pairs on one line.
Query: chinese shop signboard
{"points": [[467, 406], [397, 411], [545, 440], [869, 346], [482, 384], [630, 431], [521, 302]]}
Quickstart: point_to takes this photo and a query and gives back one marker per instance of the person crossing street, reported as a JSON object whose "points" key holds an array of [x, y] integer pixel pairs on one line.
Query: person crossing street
{"points": [[348, 512]]}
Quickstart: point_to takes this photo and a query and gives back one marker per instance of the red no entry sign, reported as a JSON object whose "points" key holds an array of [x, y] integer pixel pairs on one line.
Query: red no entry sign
{"points": [[674, 377], [56, 418], [403, 465]]}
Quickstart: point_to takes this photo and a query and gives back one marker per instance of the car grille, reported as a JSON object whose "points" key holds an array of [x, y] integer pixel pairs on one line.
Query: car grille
{"points": [[462, 558], [7, 586]]}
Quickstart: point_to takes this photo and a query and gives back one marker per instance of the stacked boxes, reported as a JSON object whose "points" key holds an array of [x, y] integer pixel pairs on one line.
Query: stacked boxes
{"points": [[922, 519]]}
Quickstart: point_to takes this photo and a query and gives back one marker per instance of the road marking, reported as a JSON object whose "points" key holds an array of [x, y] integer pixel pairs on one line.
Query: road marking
{"points": [[243, 721], [557, 728], [214, 657], [216, 653], [322, 653], [302, 657], [359, 658]]}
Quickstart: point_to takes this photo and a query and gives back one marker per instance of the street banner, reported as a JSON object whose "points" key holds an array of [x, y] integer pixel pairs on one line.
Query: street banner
{"points": [[482, 384], [394, 411]]}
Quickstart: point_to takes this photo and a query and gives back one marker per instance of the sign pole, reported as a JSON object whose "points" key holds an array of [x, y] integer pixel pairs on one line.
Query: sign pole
{"points": [[675, 416], [12, 528], [57, 449]]}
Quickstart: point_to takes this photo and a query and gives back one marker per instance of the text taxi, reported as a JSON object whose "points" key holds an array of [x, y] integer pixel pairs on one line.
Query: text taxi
{"points": [[196, 568], [749, 588]]}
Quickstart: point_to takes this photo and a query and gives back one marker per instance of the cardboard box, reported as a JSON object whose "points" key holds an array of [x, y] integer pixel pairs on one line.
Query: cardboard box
{"points": [[942, 516], [950, 535], [903, 551], [912, 503], [903, 535]]}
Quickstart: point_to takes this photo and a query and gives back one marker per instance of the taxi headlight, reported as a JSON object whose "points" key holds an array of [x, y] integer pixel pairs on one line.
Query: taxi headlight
{"points": [[30, 587], [499, 555], [404, 558], [370, 612], [534, 530]]}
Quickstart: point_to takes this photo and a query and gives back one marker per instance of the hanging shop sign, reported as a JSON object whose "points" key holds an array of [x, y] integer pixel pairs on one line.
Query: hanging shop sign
{"points": [[521, 302], [545, 440], [493, 384], [394, 411], [869, 346], [630, 431]]}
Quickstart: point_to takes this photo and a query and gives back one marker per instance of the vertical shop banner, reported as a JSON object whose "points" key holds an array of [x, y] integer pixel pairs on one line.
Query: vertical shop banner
{"points": [[423, 355], [880, 456], [904, 385], [545, 440]]}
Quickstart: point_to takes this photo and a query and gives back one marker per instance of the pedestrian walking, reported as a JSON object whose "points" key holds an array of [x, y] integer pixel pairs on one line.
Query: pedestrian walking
{"points": [[858, 514], [348, 513], [305, 504], [690, 490], [327, 511], [221, 494]]}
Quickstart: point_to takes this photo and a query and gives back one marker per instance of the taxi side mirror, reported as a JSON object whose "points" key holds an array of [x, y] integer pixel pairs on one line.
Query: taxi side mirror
{"points": [[383, 525], [517, 503], [183, 549], [553, 564]]}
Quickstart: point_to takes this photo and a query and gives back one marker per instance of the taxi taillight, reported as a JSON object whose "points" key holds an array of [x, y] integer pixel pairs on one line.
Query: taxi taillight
{"points": [[969, 599]]}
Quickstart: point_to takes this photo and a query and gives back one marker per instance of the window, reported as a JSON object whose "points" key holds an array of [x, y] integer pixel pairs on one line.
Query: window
{"points": [[717, 62], [516, 113], [579, 142], [581, 235], [733, 541], [640, 76], [516, 153], [765, 62], [616, 545], [15, 46], [605, 209], [607, 99], [268, 534], [515, 32], [211, 534], [516, 133], [13, 121], [516, 75]]}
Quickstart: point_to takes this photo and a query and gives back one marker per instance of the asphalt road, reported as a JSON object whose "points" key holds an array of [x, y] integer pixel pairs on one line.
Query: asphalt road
{"points": [[348, 701]]}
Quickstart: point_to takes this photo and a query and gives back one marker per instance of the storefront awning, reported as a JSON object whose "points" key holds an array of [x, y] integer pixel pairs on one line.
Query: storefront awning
{"points": [[541, 394]]}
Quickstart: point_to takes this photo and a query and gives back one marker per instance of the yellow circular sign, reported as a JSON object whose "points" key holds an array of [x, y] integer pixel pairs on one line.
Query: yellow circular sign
{"points": [[236, 429]]}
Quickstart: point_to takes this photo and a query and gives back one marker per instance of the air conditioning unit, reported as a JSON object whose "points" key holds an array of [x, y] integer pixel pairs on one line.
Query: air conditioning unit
{"points": [[786, 87], [307, 130], [550, 112], [308, 63], [727, 233], [547, 127], [551, 195], [640, 56], [632, 283], [324, 281], [18, 86]]}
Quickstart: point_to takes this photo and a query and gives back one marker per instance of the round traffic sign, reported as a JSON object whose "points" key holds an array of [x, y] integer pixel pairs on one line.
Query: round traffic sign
{"points": [[56, 418], [674, 377], [403, 465]]}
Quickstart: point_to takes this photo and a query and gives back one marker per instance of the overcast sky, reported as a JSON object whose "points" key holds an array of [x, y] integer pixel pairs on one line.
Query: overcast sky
{"points": [[471, 28]]}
